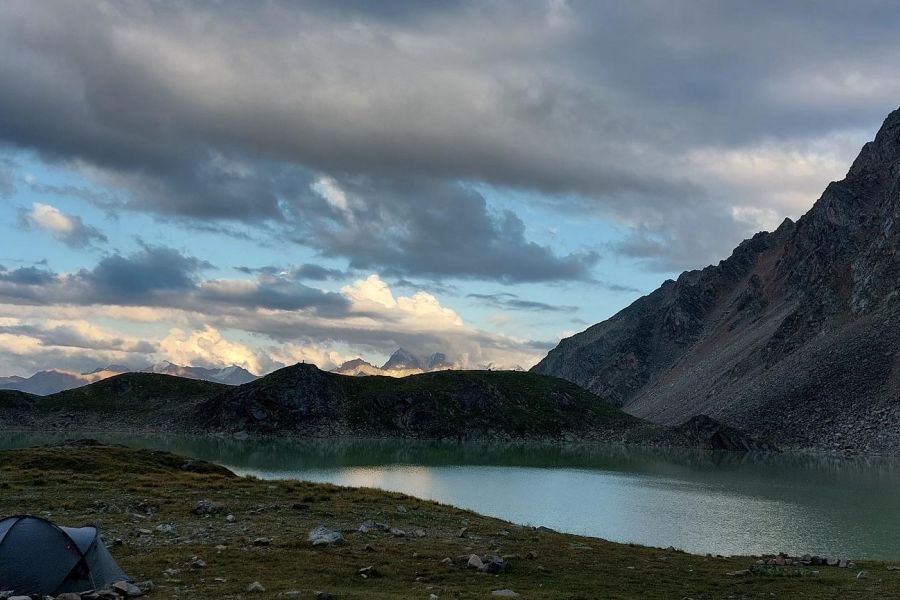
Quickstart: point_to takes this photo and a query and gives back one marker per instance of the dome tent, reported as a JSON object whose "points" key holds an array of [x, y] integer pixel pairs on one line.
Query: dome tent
{"points": [[39, 557]]}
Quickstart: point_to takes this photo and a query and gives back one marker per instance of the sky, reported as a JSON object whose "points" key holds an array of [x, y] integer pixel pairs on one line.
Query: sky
{"points": [[223, 182]]}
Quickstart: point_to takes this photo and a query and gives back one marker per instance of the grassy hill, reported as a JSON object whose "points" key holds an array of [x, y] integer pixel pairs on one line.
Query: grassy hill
{"points": [[444, 404]]}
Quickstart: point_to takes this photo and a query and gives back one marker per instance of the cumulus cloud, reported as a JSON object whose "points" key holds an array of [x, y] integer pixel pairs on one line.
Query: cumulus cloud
{"points": [[69, 229]]}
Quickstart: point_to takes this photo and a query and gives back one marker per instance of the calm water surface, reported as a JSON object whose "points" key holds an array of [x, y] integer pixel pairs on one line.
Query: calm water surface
{"points": [[722, 503]]}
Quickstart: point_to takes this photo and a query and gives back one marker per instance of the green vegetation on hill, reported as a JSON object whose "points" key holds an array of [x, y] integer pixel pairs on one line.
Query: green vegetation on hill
{"points": [[144, 504], [444, 404]]}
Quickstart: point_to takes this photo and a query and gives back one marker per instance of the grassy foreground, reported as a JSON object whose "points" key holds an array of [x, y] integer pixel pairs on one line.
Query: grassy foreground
{"points": [[144, 504]]}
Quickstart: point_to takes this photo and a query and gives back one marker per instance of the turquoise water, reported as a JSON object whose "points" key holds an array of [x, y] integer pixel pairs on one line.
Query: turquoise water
{"points": [[721, 503]]}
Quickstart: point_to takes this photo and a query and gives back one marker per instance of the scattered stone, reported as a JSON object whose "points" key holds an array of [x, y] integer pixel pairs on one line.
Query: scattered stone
{"points": [[862, 574], [893, 568], [230, 518], [494, 565], [401, 509], [741, 573], [256, 587], [531, 555], [366, 527], [171, 572], [448, 562], [197, 562], [207, 507], [505, 593], [323, 596], [832, 562], [397, 532], [369, 572], [262, 542], [321, 536], [127, 589], [843, 563], [420, 533], [68, 596], [462, 532], [433, 597], [475, 562], [165, 528], [370, 548]]}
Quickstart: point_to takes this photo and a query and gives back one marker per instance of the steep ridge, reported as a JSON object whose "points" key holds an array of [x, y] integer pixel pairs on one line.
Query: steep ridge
{"points": [[795, 335]]}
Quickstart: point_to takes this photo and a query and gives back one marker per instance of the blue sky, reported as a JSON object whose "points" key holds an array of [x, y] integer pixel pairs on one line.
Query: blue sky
{"points": [[319, 181]]}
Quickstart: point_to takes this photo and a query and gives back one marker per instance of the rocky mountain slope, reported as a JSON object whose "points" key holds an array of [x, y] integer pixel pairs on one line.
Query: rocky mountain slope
{"points": [[796, 335]]}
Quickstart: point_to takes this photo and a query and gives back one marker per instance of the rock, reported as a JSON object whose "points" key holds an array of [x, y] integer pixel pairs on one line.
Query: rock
{"points": [[366, 527], [531, 555], [401, 509], [127, 589], [494, 565], [256, 587], [505, 593], [171, 572], [462, 532], [420, 533], [893, 567], [207, 507], [68, 596], [741, 573], [397, 532], [321, 536], [197, 563], [369, 572], [448, 562], [323, 596], [262, 542], [165, 528], [862, 574], [19, 598], [370, 548], [475, 562], [230, 518], [832, 562], [843, 563], [433, 597], [146, 586]]}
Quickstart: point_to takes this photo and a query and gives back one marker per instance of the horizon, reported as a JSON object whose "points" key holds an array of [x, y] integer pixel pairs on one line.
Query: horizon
{"points": [[480, 180]]}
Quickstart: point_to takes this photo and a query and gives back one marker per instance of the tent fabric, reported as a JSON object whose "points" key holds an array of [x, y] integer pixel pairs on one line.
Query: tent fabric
{"points": [[39, 557]]}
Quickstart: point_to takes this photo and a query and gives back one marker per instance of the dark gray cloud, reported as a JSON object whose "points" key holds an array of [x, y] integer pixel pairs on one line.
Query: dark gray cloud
{"points": [[157, 276], [507, 300], [302, 271], [217, 111]]}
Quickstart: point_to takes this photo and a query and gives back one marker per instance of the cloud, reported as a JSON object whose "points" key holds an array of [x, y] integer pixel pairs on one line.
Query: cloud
{"points": [[210, 113], [507, 300], [69, 229]]}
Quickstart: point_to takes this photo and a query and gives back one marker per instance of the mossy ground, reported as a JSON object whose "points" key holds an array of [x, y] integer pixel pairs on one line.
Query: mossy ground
{"points": [[124, 491]]}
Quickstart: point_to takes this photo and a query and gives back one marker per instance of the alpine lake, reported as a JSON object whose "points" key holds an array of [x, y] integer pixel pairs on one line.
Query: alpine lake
{"points": [[701, 502]]}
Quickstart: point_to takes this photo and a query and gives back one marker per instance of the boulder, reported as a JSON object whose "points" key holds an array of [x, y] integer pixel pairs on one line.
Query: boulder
{"points": [[322, 536]]}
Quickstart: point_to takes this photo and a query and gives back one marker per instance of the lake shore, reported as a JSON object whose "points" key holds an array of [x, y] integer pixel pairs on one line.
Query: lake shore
{"points": [[145, 504]]}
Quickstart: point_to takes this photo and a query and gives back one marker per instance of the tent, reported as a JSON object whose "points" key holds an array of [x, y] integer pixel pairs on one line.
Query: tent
{"points": [[39, 557]]}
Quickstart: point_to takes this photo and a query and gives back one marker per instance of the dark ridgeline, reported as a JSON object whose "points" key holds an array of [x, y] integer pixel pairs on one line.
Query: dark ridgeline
{"points": [[796, 335]]}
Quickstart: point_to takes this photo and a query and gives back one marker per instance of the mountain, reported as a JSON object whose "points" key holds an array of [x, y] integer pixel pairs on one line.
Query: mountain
{"points": [[796, 335], [400, 364], [233, 375], [304, 400], [48, 382], [44, 383]]}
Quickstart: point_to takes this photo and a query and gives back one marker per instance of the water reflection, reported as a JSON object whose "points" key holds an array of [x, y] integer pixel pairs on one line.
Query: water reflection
{"points": [[723, 503]]}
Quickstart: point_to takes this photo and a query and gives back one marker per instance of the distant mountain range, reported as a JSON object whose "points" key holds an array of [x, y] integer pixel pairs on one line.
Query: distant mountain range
{"points": [[795, 336], [400, 364], [51, 381]]}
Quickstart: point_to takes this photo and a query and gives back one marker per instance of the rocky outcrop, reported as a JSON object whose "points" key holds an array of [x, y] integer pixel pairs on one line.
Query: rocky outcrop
{"points": [[795, 336]]}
